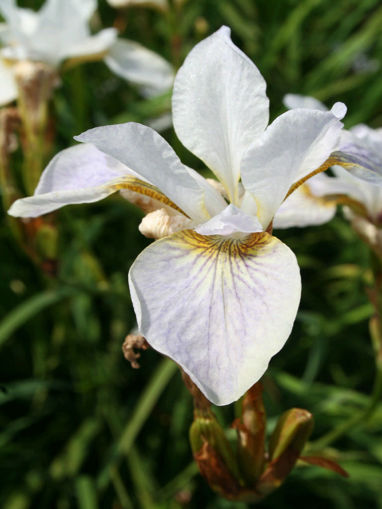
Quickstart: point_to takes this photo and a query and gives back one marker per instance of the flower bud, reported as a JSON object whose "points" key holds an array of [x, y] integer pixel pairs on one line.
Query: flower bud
{"points": [[214, 456], [285, 446], [46, 241], [251, 435]]}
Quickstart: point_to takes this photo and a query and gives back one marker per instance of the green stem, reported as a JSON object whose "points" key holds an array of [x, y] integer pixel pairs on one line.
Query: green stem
{"points": [[86, 493], [143, 487], [154, 389], [119, 487]]}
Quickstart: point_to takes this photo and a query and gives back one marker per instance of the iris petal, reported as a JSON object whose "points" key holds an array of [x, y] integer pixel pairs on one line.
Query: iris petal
{"points": [[219, 105], [220, 307]]}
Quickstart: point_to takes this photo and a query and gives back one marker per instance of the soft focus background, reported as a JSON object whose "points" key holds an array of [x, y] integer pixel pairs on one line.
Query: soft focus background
{"points": [[79, 428]]}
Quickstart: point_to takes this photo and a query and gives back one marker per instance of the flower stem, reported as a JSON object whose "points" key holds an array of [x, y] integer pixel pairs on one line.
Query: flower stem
{"points": [[157, 383]]}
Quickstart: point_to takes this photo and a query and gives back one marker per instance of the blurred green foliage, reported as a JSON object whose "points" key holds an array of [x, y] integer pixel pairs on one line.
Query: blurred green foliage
{"points": [[78, 427]]}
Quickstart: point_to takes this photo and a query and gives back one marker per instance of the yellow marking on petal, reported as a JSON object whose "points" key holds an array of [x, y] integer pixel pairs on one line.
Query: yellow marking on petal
{"points": [[336, 199], [342, 161], [327, 164], [74, 61], [342, 199], [215, 245], [139, 186], [324, 201]]}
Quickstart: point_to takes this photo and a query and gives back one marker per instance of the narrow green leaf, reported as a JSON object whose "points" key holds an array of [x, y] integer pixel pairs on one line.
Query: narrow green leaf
{"points": [[154, 389], [86, 493], [29, 308]]}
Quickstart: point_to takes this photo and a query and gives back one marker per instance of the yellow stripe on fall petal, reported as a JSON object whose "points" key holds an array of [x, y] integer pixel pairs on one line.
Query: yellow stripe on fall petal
{"points": [[324, 201], [139, 186], [215, 246], [342, 199], [331, 161]]}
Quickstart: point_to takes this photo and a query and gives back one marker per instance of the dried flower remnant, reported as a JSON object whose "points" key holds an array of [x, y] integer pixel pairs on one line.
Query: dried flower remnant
{"points": [[219, 297], [132, 343]]}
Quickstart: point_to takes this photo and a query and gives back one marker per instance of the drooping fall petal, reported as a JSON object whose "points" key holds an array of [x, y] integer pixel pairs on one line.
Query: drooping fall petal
{"points": [[219, 307], [80, 174], [307, 206], [149, 155], [293, 101]]}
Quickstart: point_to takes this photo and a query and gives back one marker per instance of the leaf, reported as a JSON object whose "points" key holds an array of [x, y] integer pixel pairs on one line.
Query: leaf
{"points": [[29, 308], [325, 463]]}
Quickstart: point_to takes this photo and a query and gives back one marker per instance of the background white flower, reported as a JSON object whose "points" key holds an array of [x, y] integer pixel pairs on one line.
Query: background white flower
{"points": [[8, 86], [59, 32], [358, 177]]}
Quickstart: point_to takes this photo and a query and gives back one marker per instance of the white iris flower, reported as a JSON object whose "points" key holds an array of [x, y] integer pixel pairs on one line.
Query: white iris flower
{"points": [[59, 31], [220, 295], [358, 178]]}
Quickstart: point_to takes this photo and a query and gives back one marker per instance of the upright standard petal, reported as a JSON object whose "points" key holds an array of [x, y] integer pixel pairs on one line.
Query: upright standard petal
{"points": [[140, 66], [294, 146], [145, 152], [219, 307], [219, 106], [60, 24], [86, 8], [8, 87], [293, 101], [22, 24], [20, 20], [56, 8]]}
